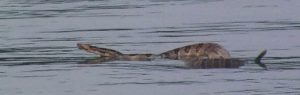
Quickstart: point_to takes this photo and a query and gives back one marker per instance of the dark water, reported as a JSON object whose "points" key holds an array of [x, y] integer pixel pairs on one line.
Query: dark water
{"points": [[38, 54]]}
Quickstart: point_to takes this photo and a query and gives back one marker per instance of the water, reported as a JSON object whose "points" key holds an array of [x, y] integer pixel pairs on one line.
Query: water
{"points": [[39, 55]]}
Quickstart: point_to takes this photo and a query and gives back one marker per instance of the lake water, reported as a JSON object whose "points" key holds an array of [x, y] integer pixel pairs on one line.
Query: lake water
{"points": [[38, 53]]}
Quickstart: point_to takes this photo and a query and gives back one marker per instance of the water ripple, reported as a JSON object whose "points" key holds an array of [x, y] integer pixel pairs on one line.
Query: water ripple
{"points": [[38, 51], [34, 76], [18, 61], [154, 83], [50, 1], [47, 70], [91, 30]]}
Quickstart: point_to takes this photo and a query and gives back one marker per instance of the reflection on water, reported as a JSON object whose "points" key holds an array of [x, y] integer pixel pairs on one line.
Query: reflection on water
{"points": [[195, 63], [38, 53]]}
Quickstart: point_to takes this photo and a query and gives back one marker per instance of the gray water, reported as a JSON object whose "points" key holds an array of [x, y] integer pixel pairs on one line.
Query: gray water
{"points": [[38, 54]]}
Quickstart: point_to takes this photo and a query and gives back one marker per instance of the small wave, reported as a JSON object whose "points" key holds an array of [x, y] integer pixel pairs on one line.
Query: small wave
{"points": [[154, 83]]}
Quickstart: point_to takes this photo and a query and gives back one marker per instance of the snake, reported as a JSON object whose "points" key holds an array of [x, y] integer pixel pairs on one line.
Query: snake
{"points": [[199, 55]]}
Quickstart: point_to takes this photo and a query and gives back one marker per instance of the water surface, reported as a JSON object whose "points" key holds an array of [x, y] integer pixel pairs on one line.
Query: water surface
{"points": [[38, 53]]}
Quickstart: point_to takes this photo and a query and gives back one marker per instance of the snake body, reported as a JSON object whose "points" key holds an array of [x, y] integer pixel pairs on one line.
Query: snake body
{"points": [[200, 55]]}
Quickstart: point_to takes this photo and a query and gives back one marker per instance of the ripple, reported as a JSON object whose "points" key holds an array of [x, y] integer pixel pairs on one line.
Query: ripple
{"points": [[26, 9], [187, 35], [245, 91], [47, 70], [38, 40], [31, 49], [244, 26], [92, 30], [57, 39], [283, 63], [115, 7], [141, 43], [19, 61], [51, 1], [154, 83], [34, 76]]}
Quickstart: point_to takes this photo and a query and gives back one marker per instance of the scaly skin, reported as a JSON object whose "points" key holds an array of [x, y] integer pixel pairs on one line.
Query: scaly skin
{"points": [[201, 55]]}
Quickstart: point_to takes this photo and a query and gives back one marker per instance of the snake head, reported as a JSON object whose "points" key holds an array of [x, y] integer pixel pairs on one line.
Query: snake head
{"points": [[85, 46]]}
